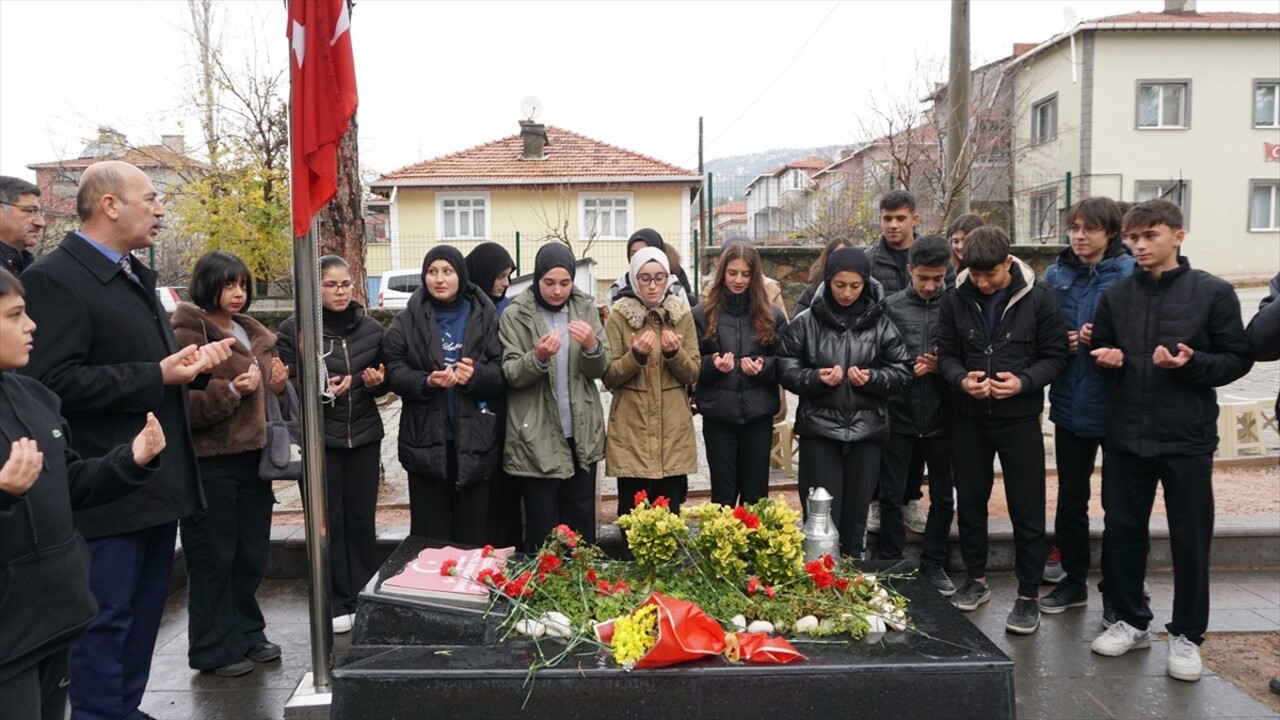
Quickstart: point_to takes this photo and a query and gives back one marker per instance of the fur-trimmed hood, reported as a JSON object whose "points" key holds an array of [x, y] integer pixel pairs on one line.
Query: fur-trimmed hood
{"points": [[635, 312]]}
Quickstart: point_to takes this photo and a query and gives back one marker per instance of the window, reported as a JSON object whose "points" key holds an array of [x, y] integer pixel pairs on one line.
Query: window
{"points": [[1264, 205], [1044, 120], [1177, 192], [1163, 104], [606, 216], [1044, 214], [464, 216], [1266, 103]]}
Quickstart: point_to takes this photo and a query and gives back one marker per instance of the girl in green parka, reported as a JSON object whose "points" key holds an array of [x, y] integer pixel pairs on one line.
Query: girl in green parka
{"points": [[553, 351]]}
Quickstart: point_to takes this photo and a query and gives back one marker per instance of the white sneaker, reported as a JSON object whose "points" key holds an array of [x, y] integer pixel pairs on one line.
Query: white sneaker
{"points": [[1184, 659], [342, 624], [1120, 639], [913, 516], [873, 516]]}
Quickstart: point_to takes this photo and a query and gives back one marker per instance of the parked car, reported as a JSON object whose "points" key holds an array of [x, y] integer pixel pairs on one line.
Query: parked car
{"points": [[170, 296], [396, 286]]}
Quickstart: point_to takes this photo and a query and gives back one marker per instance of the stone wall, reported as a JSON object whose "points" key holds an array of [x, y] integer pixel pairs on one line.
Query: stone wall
{"points": [[789, 265]]}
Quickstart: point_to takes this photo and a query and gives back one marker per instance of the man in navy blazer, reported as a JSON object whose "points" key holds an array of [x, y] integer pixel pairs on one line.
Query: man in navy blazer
{"points": [[104, 345]]}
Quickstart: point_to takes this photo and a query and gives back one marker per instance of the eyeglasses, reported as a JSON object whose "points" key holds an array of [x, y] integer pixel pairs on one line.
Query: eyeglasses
{"points": [[32, 210], [335, 285], [651, 279]]}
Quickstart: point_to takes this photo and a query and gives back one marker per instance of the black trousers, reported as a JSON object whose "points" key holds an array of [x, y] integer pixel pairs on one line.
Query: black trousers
{"points": [[673, 488], [848, 470], [1075, 456], [226, 549], [900, 453], [1128, 492], [38, 691], [738, 459], [506, 510], [351, 481], [552, 501], [440, 511], [975, 444]]}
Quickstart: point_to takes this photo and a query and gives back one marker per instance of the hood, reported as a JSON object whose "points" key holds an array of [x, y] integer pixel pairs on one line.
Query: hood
{"points": [[875, 298]]}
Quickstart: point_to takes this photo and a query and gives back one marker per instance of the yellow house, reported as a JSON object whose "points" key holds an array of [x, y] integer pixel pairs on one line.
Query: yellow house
{"points": [[543, 184]]}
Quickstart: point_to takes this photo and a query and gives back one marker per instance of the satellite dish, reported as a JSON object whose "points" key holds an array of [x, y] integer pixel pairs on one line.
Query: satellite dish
{"points": [[531, 107], [1069, 16]]}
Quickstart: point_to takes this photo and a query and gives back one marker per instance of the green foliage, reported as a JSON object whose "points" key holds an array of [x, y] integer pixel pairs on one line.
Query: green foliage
{"points": [[242, 208]]}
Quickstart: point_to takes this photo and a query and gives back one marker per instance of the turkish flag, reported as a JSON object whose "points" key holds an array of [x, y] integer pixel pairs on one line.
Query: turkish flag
{"points": [[323, 84]]}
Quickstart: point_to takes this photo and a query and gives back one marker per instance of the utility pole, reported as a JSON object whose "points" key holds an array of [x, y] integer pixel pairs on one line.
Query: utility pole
{"points": [[957, 151]]}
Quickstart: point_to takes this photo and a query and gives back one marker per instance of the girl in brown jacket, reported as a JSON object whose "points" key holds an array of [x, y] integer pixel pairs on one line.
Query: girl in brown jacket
{"points": [[226, 543], [654, 346]]}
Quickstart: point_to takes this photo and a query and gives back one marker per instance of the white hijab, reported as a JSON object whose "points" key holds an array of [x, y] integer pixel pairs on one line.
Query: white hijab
{"points": [[642, 257]]}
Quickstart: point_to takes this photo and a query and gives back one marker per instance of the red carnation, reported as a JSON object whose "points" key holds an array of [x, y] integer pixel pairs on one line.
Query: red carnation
{"points": [[448, 567], [662, 502], [828, 562], [487, 551], [547, 563], [640, 498], [753, 586], [769, 591], [842, 584], [591, 576]]}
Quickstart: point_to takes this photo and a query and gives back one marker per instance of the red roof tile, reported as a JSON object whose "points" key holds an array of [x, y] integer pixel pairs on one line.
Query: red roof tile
{"points": [[569, 157], [730, 208], [1194, 18], [146, 156]]}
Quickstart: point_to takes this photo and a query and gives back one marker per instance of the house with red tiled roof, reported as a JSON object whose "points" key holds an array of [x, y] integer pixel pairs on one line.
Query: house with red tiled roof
{"points": [[728, 219], [167, 164], [544, 183], [1180, 105], [776, 199]]}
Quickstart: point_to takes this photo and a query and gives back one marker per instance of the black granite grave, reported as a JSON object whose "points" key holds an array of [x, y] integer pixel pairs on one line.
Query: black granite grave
{"points": [[415, 659]]}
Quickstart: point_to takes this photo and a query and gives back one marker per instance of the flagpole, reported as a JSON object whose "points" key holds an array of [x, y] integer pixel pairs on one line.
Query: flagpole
{"points": [[305, 292]]}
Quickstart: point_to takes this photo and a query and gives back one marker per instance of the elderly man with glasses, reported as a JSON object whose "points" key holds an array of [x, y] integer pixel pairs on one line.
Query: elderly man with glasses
{"points": [[21, 223]]}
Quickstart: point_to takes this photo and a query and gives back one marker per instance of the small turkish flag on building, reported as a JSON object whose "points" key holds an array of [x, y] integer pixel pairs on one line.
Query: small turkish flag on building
{"points": [[323, 98]]}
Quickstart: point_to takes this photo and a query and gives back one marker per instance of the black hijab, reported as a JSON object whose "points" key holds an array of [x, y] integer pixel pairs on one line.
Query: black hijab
{"points": [[851, 260], [485, 263], [649, 237], [551, 255], [451, 255]]}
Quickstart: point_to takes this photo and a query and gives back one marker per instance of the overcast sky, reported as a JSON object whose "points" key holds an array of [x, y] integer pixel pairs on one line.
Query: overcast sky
{"points": [[436, 77]]}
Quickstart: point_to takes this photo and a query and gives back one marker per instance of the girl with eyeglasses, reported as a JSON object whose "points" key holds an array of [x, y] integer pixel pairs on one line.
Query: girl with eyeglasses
{"points": [[351, 343], [654, 346], [737, 393]]}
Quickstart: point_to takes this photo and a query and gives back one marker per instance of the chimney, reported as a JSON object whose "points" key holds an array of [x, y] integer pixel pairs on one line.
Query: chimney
{"points": [[1179, 7], [1020, 49], [535, 140], [110, 143], [175, 144]]}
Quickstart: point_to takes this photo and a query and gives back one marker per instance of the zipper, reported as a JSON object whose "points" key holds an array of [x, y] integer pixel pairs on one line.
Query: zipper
{"points": [[350, 404]]}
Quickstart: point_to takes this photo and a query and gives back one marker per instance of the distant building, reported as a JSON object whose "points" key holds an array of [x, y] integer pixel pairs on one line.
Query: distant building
{"points": [[728, 219], [1178, 105], [544, 183], [777, 200]]}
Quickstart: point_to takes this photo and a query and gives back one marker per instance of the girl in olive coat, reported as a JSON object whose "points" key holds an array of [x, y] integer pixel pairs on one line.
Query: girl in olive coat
{"points": [[654, 345]]}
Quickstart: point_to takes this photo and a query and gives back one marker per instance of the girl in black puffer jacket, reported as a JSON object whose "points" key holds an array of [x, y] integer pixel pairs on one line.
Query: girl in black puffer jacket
{"points": [[844, 359], [737, 393], [352, 432]]}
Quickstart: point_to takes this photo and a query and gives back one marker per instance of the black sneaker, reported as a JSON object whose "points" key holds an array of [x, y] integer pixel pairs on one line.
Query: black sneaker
{"points": [[1024, 618], [265, 651], [971, 595], [233, 669], [938, 578], [1108, 612], [1066, 595]]}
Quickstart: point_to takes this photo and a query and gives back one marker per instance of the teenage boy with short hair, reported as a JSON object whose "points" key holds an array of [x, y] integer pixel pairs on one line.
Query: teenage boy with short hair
{"points": [[1000, 342], [919, 418], [1095, 260], [1170, 335]]}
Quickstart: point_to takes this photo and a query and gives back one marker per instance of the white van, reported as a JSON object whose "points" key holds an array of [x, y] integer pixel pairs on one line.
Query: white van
{"points": [[396, 286]]}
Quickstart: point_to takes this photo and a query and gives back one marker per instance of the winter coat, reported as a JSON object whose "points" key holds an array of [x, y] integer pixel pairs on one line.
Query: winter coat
{"points": [[45, 601], [1078, 397], [99, 341], [412, 351], [734, 397], [1264, 329], [892, 278], [817, 338], [535, 441], [650, 425], [351, 342], [1030, 341], [1170, 412], [924, 408], [223, 422]]}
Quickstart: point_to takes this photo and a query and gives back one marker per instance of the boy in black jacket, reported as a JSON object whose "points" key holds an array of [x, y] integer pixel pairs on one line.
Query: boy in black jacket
{"points": [[1000, 342], [1170, 335], [920, 418], [44, 565]]}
